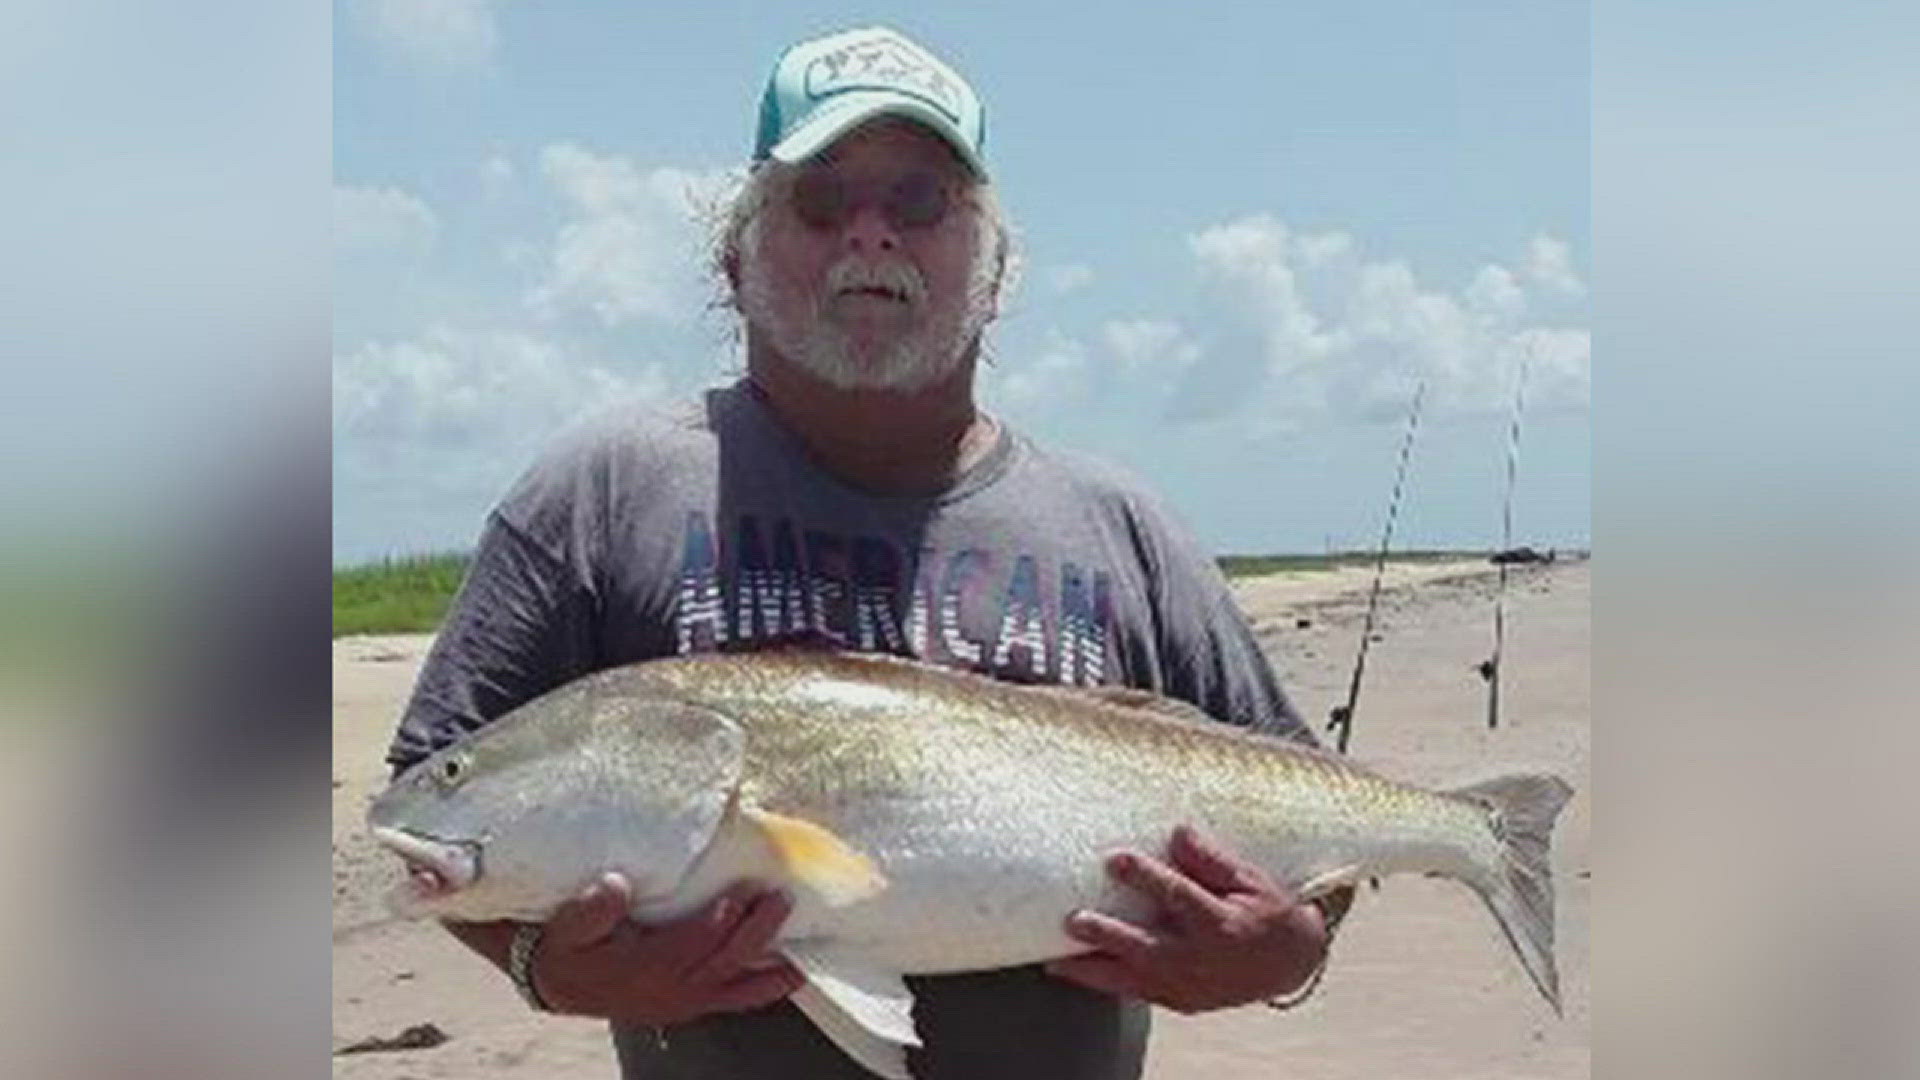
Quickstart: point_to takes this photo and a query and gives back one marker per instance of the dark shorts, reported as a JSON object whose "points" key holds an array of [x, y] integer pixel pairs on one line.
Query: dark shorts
{"points": [[1018, 1024]]}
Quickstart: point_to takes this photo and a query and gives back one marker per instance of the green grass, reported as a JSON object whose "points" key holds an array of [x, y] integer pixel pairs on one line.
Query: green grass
{"points": [[1237, 566], [396, 596], [410, 594]]}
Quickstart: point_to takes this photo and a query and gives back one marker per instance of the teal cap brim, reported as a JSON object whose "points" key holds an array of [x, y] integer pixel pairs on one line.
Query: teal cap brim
{"points": [[833, 119]]}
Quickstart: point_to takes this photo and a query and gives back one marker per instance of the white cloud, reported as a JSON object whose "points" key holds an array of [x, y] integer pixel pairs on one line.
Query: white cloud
{"points": [[441, 35], [1495, 294], [384, 262], [525, 255], [1149, 346], [496, 175], [1065, 279], [1550, 262], [1337, 333], [1559, 366], [1250, 264], [1057, 372], [1323, 248], [381, 220], [1123, 374], [634, 247], [474, 389]]}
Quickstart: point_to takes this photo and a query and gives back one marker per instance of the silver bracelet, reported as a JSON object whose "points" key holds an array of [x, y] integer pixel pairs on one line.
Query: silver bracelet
{"points": [[520, 964]]}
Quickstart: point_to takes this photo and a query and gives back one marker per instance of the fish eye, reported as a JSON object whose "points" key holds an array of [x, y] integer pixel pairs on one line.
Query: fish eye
{"points": [[451, 770]]}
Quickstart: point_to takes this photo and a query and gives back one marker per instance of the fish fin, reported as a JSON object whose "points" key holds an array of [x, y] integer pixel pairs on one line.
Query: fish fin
{"points": [[867, 1012], [1323, 883], [1522, 810], [709, 755], [817, 858]]}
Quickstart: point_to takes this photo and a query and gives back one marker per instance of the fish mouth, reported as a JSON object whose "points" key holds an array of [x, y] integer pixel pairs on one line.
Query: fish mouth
{"points": [[436, 868]]}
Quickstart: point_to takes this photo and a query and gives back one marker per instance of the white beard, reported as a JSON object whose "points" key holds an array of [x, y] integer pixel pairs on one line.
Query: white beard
{"points": [[802, 329]]}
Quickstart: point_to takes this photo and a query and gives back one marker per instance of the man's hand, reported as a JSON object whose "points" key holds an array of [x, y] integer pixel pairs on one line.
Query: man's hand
{"points": [[594, 961], [1226, 933]]}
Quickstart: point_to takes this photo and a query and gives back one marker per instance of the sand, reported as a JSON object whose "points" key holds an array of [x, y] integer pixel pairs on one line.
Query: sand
{"points": [[1421, 983]]}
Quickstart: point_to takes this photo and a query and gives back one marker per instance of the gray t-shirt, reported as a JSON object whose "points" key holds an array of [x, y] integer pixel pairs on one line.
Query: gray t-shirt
{"points": [[646, 535]]}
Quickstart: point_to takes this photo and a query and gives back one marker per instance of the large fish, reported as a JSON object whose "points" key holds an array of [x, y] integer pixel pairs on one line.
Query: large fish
{"points": [[924, 820]]}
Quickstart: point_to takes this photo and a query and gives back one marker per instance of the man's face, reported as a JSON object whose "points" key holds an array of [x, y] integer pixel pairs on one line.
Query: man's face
{"points": [[868, 266]]}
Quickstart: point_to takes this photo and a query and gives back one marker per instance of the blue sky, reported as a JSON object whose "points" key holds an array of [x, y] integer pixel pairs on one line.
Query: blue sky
{"points": [[1248, 232]]}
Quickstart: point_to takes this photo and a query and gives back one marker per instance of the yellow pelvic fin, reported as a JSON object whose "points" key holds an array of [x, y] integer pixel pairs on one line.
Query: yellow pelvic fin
{"points": [[818, 859]]}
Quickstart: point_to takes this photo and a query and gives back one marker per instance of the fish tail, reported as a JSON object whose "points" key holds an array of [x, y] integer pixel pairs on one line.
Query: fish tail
{"points": [[1519, 890]]}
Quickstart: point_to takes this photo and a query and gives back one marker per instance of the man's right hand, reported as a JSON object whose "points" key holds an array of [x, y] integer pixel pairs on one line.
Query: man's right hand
{"points": [[595, 961]]}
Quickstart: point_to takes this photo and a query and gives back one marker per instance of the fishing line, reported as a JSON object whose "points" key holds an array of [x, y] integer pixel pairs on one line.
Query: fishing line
{"points": [[1491, 669], [1343, 714]]}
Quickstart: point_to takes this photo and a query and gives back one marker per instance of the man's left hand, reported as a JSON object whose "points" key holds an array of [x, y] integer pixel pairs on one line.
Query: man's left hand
{"points": [[1226, 934]]}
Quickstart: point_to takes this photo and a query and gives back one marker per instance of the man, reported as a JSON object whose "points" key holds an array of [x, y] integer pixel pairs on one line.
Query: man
{"points": [[848, 488]]}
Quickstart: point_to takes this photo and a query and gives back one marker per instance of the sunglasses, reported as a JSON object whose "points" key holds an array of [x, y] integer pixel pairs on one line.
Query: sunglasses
{"points": [[823, 200]]}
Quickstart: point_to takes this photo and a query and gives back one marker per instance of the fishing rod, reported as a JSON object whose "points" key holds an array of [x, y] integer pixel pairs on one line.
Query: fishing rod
{"points": [[1342, 719], [1491, 669]]}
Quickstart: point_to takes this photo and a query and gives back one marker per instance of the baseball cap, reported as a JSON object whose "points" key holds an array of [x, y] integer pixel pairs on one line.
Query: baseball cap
{"points": [[823, 88]]}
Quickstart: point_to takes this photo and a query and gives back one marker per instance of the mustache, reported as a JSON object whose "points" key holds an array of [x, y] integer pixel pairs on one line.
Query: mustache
{"points": [[899, 279]]}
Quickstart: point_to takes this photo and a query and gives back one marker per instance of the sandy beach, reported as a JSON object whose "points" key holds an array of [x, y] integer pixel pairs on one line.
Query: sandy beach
{"points": [[1421, 984]]}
